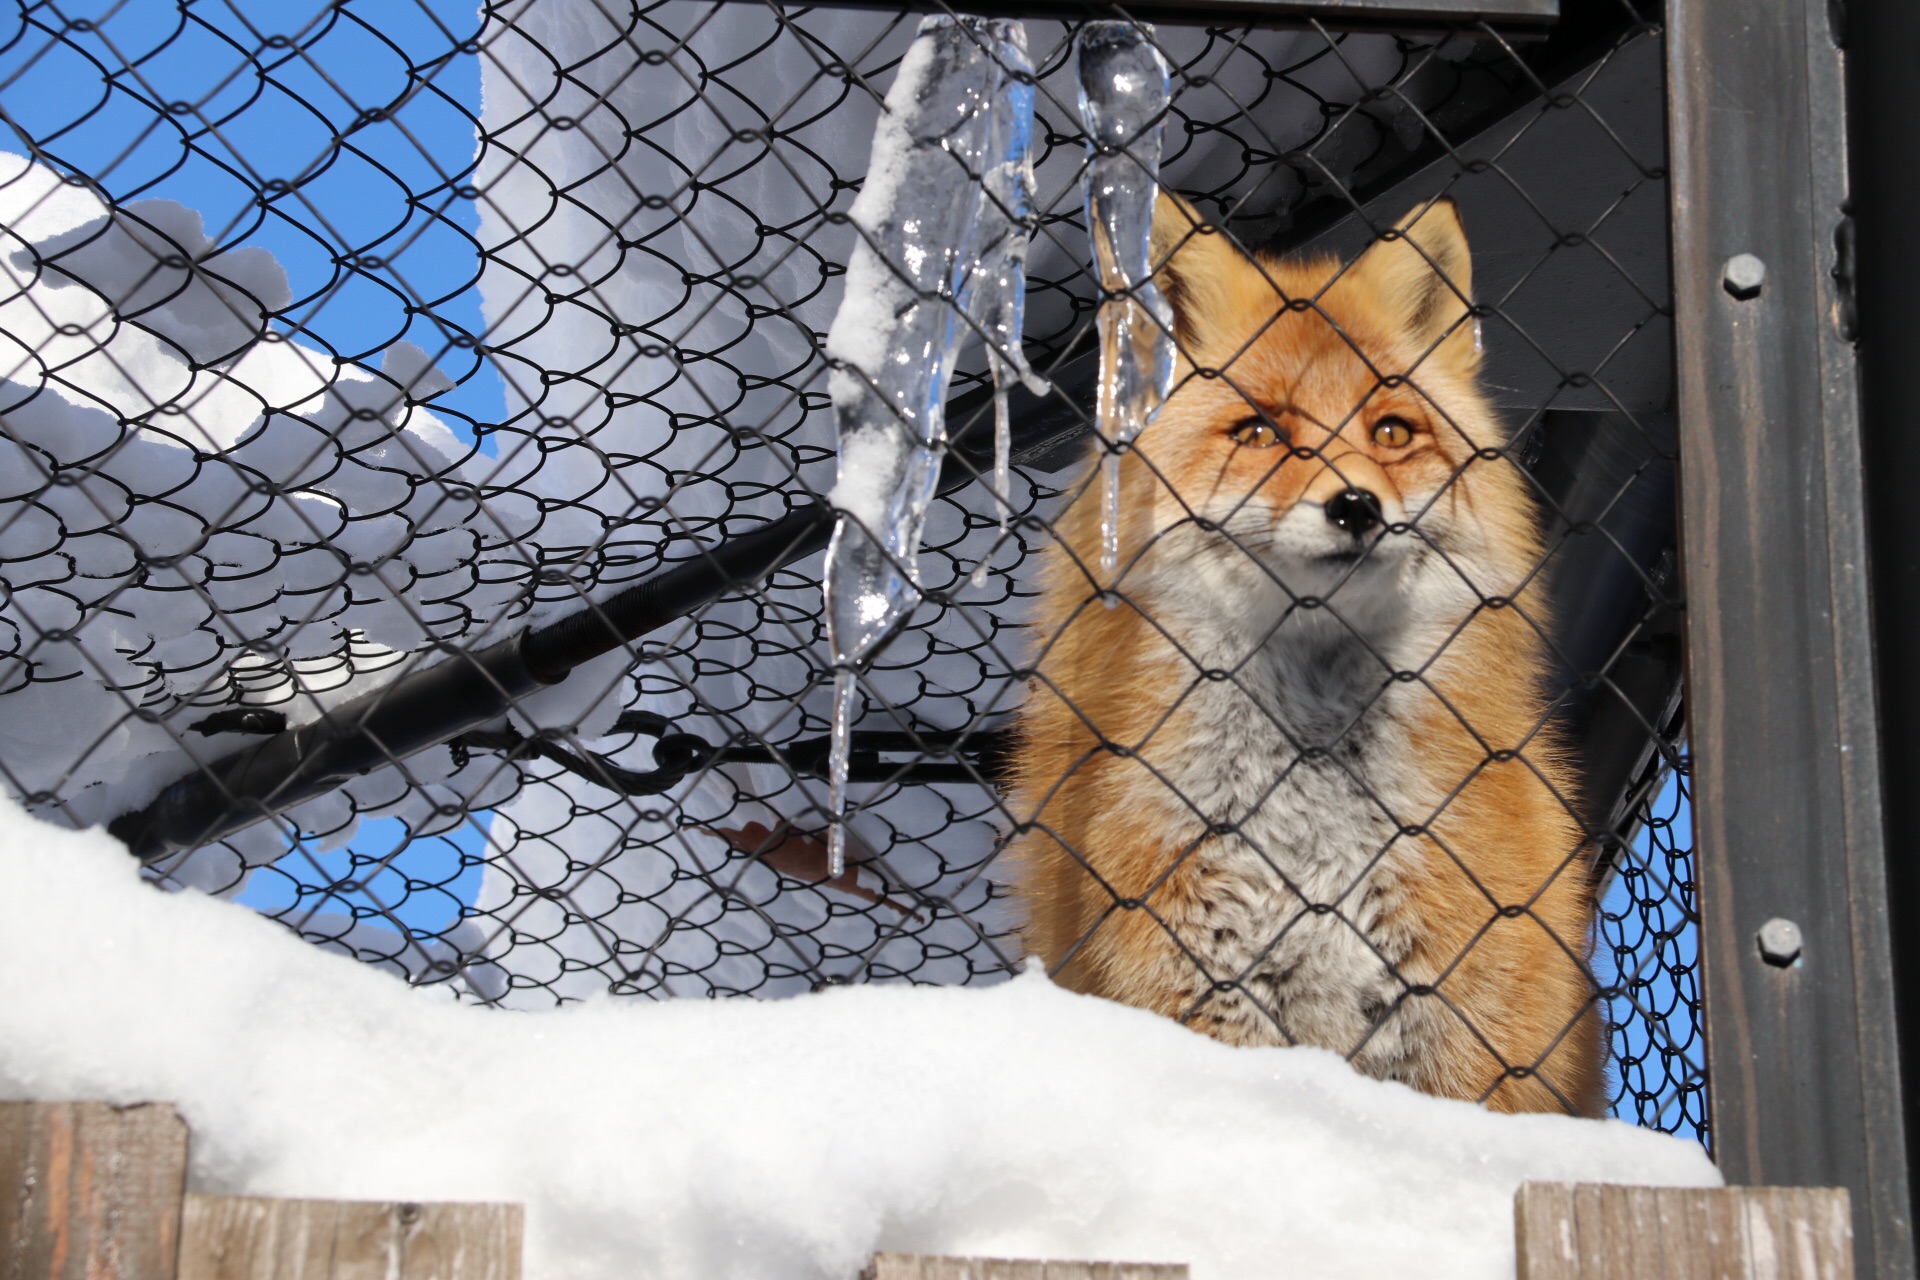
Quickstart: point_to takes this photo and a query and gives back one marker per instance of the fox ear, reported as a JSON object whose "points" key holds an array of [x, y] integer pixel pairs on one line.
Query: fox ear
{"points": [[1214, 288], [1423, 277]]}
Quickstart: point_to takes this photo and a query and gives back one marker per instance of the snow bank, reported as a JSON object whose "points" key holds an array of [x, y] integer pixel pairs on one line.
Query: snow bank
{"points": [[745, 1138], [166, 525]]}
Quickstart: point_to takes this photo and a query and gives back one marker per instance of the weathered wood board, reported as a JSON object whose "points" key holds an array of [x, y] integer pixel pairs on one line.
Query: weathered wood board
{"points": [[248, 1238], [1589, 1232], [90, 1191]]}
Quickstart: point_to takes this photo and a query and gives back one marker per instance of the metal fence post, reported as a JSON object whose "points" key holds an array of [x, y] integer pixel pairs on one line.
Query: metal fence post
{"points": [[1804, 1057]]}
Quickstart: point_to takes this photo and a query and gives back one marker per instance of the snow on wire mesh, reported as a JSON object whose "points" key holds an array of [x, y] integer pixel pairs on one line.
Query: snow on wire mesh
{"points": [[302, 388]]}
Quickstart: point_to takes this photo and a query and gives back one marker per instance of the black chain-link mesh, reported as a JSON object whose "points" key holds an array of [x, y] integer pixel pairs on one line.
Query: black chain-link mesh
{"points": [[235, 499]]}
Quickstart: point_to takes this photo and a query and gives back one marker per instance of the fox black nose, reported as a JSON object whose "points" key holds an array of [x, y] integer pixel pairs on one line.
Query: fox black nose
{"points": [[1355, 511]]}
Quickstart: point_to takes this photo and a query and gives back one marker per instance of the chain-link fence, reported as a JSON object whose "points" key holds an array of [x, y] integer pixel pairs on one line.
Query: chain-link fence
{"points": [[306, 392]]}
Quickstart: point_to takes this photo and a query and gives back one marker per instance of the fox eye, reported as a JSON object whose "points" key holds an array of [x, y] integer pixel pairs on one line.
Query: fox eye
{"points": [[1392, 433], [1255, 433]]}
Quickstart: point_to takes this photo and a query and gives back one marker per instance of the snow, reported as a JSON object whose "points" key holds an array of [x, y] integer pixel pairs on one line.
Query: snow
{"points": [[743, 1138], [866, 473], [182, 495], [152, 262], [182, 503]]}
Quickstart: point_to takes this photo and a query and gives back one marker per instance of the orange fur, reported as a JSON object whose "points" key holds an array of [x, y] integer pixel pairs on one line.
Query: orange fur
{"points": [[1116, 870]]}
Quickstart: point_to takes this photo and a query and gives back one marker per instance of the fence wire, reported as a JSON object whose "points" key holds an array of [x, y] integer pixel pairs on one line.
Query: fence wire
{"points": [[340, 338]]}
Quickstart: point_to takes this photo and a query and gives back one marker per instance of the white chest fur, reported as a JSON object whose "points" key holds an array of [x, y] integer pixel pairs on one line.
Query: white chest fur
{"points": [[1288, 785]]}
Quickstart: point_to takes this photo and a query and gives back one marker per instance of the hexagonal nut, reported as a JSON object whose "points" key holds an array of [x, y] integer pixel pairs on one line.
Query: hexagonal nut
{"points": [[1779, 941], [1744, 276]]}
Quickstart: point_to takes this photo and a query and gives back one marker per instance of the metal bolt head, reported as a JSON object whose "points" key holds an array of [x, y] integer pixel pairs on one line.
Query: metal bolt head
{"points": [[1743, 276], [1779, 942]]}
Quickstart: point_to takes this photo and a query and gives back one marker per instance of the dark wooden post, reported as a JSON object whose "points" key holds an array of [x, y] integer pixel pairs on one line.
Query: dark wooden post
{"points": [[1883, 68], [1786, 784]]}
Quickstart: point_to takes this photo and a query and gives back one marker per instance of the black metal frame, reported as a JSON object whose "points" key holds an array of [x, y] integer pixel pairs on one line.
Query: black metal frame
{"points": [[1782, 687], [1513, 17]]}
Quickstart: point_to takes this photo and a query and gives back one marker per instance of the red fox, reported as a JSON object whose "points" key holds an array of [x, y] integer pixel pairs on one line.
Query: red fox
{"points": [[1298, 786]]}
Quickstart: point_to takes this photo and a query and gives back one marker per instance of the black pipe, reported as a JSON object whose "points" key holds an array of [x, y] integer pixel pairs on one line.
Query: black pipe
{"points": [[419, 710], [1043, 425], [933, 755], [732, 566]]}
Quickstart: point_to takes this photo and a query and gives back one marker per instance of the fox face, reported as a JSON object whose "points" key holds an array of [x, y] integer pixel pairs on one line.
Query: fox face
{"points": [[1299, 784], [1327, 435]]}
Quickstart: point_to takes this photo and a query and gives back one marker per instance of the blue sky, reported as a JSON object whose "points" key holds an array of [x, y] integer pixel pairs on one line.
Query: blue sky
{"points": [[372, 217], [186, 115], [1663, 1016]]}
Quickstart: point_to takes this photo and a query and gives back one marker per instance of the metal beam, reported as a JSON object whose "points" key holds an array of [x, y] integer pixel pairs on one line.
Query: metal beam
{"points": [[1513, 17], [1787, 787]]}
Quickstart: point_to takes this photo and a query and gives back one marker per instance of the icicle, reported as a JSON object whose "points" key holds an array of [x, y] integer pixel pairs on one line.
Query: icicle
{"points": [[894, 340], [1002, 445], [839, 752], [1124, 91], [995, 293]]}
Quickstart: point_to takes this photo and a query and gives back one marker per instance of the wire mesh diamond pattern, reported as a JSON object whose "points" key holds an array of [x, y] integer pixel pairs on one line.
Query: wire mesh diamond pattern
{"points": [[340, 340]]}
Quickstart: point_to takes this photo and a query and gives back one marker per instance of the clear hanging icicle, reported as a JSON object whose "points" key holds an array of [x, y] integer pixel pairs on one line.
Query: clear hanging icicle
{"points": [[894, 339], [995, 293], [1124, 92]]}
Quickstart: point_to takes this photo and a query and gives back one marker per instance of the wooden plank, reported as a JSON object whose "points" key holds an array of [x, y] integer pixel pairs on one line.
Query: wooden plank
{"points": [[90, 1191], [1706, 1226], [250, 1238], [1594, 1232], [1543, 1231], [1787, 794], [1799, 1233], [911, 1266], [1613, 1234]]}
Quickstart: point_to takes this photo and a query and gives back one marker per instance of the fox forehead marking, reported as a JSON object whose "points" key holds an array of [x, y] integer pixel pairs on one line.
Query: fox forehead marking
{"points": [[1314, 405]]}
